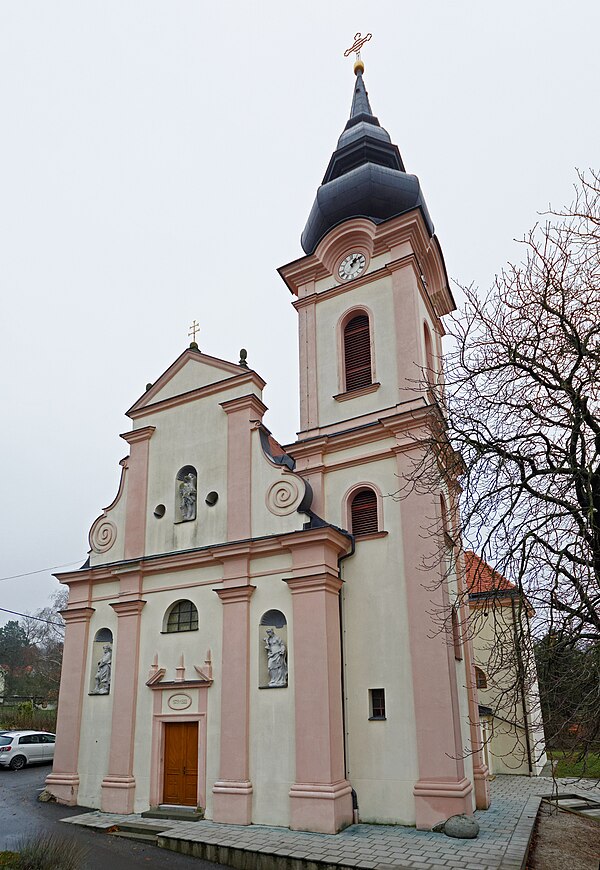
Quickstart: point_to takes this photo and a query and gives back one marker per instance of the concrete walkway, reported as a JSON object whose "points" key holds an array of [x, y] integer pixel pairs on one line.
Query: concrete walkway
{"points": [[502, 843]]}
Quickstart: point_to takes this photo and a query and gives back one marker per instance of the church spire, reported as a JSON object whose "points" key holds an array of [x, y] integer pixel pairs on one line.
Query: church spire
{"points": [[360, 100], [365, 176]]}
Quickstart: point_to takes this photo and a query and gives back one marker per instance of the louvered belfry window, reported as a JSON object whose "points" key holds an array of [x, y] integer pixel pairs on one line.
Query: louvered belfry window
{"points": [[357, 352], [364, 513]]}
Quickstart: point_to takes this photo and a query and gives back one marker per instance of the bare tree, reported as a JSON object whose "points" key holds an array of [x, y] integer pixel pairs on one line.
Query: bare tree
{"points": [[521, 407]]}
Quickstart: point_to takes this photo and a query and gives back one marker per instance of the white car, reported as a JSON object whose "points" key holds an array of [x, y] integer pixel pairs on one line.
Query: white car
{"points": [[18, 748]]}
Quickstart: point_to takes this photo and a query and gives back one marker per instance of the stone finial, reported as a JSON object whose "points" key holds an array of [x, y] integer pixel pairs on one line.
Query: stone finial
{"points": [[243, 358]]}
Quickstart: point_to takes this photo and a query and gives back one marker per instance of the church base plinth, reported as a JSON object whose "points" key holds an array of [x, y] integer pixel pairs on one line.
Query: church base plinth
{"points": [[118, 793], [437, 800], [64, 787], [232, 802], [324, 809], [482, 787]]}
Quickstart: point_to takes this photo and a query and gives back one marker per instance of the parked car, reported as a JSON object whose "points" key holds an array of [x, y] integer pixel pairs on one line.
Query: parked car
{"points": [[18, 748]]}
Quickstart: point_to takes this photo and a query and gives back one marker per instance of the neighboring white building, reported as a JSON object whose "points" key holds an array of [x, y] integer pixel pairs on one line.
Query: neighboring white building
{"points": [[253, 630], [505, 672]]}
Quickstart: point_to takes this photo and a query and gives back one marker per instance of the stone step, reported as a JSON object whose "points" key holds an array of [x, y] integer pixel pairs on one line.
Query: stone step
{"points": [[132, 835], [180, 814], [140, 828]]}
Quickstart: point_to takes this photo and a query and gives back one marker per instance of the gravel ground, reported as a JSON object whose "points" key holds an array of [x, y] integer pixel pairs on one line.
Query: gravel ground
{"points": [[564, 841]]}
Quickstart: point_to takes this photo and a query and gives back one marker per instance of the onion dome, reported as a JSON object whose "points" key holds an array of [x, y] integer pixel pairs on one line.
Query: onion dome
{"points": [[365, 177]]}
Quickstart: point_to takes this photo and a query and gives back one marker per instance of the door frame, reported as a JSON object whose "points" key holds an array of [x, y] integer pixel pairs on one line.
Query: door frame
{"points": [[158, 755]]}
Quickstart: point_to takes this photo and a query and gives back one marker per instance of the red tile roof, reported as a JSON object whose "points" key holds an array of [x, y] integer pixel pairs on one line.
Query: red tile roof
{"points": [[481, 577]]}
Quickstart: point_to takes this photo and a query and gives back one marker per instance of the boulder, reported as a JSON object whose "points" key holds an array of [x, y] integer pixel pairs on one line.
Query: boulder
{"points": [[460, 827]]}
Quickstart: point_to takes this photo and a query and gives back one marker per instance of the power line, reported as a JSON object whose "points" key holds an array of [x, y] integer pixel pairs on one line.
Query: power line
{"points": [[41, 571], [29, 616]]}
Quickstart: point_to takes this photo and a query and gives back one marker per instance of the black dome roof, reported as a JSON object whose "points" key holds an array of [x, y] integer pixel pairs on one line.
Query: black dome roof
{"points": [[365, 177]]}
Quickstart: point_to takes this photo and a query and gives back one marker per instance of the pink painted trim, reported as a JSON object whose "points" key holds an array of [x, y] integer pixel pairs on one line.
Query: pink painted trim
{"points": [[353, 235], [63, 782], [137, 491], [232, 793], [118, 787], [320, 798], [158, 748], [441, 790], [354, 394], [347, 504], [309, 392], [188, 355], [242, 414]]}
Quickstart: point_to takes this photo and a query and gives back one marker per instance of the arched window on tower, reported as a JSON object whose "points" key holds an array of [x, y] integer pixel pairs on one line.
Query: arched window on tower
{"points": [[357, 353], [363, 513]]}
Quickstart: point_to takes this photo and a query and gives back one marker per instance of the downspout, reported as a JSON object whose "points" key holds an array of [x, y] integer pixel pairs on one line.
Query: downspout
{"points": [[521, 682]]}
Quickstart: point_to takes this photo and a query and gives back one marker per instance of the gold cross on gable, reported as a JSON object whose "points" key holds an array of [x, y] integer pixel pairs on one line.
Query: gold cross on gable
{"points": [[359, 41], [194, 328]]}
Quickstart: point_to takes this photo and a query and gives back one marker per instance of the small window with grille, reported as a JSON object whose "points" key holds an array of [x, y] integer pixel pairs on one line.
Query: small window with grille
{"points": [[377, 704], [363, 513], [183, 616], [357, 353]]}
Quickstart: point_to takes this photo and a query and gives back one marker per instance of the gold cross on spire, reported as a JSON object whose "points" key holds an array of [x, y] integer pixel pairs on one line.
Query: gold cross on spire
{"points": [[359, 41], [194, 328]]}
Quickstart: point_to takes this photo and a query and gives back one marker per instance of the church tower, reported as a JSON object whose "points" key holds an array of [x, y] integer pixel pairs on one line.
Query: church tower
{"points": [[370, 294]]}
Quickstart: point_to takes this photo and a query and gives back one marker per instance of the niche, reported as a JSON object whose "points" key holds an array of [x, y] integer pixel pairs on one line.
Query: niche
{"points": [[101, 672], [186, 492], [273, 651]]}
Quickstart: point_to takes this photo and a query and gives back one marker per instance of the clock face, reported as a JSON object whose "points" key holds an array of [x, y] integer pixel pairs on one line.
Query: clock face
{"points": [[351, 266]]}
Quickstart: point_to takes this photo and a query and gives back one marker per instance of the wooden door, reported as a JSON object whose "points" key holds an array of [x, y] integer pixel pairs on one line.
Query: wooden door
{"points": [[181, 764]]}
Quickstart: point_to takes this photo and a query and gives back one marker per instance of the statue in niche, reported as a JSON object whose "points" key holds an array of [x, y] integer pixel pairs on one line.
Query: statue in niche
{"points": [[102, 680], [187, 497], [276, 659]]}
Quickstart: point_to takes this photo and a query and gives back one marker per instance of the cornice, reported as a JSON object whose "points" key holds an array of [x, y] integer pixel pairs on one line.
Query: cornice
{"points": [[136, 435], [190, 559], [77, 614], [247, 377], [324, 582], [408, 228], [250, 401], [132, 607], [235, 594]]}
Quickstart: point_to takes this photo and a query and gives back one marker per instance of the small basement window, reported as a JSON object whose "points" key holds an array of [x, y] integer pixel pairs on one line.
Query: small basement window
{"points": [[377, 704]]}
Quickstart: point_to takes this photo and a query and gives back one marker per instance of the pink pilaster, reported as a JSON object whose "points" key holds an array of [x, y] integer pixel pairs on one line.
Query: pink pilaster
{"points": [[243, 414], [442, 789], [232, 793], [307, 334], [118, 786], [63, 782], [480, 768], [320, 798], [137, 491]]}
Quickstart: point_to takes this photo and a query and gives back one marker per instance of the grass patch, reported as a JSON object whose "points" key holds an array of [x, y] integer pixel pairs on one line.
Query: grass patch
{"points": [[45, 853], [570, 763]]}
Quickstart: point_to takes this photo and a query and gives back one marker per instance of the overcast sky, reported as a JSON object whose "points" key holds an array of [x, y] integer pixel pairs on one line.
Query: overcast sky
{"points": [[159, 161]]}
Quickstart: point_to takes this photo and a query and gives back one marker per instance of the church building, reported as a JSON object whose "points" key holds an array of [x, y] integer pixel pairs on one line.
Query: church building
{"points": [[260, 630]]}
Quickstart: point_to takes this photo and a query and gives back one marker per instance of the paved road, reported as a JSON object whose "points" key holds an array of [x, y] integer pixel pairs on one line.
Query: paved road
{"points": [[21, 815]]}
